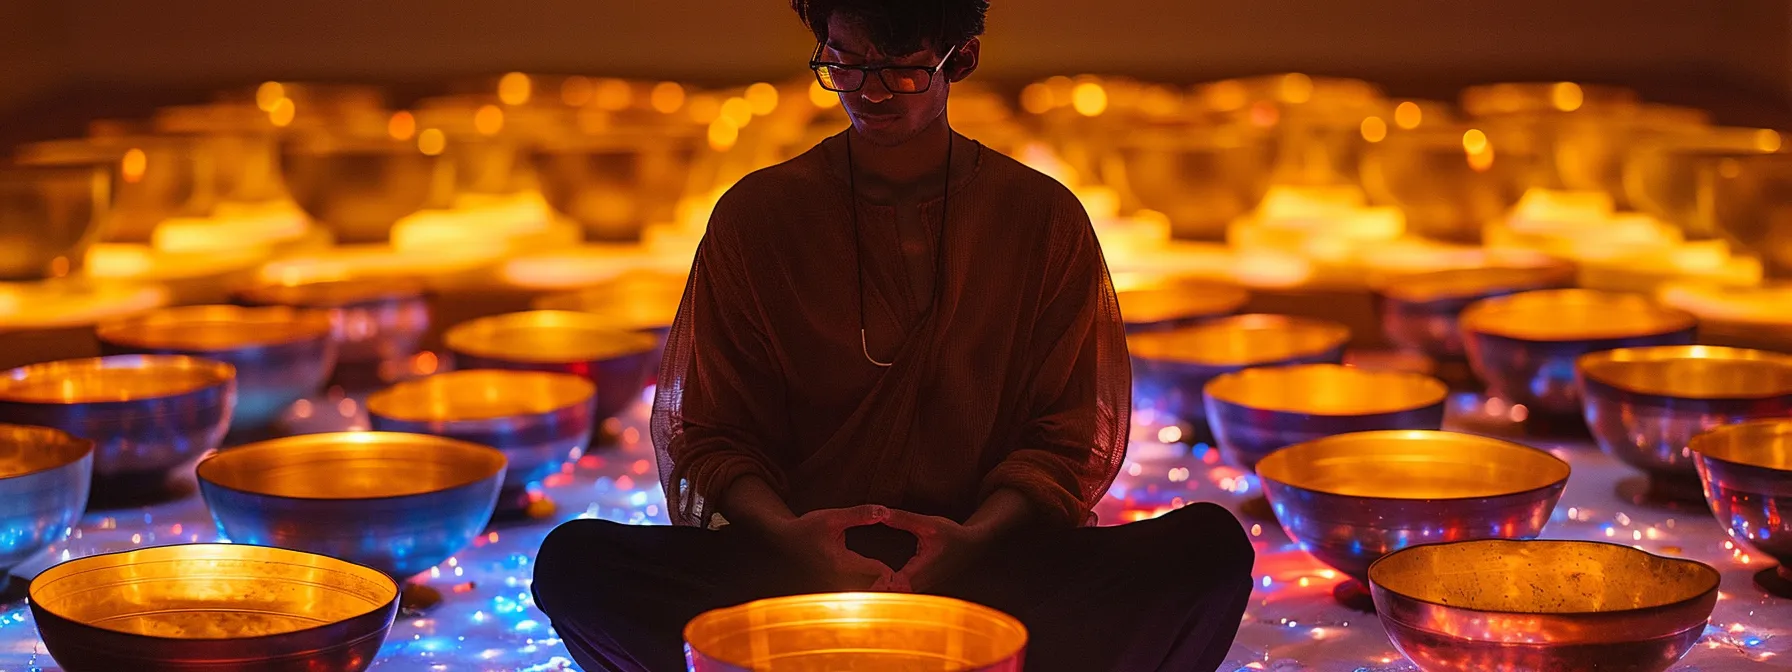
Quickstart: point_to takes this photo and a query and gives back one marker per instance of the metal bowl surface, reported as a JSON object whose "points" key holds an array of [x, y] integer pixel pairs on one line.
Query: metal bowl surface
{"points": [[1170, 368], [208, 607], [359, 188], [1478, 606], [539, 419], [1747, 472], [617, 183], [374, 321], [1421, 311], [559, 341], [856, 631], [1178, 305], [48, 217], [44, 478], [1258, 411], [1751, 205]]}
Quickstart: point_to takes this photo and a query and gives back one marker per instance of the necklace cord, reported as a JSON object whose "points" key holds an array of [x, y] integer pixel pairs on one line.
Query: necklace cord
{"points": [[939, 251]]}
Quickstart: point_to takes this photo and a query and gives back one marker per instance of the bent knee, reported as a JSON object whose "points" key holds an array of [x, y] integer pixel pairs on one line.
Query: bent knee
{"points": [[569, 558], [1211, 533]]}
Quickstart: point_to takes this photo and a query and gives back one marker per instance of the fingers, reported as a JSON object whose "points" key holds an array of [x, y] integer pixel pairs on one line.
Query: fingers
{"points": [[913, 523], [847, 563], [858, 516], [919, 569]]}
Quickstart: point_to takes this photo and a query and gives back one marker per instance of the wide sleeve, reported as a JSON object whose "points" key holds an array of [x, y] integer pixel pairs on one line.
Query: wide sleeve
{"points": [[1080, 394], [718, 410]]}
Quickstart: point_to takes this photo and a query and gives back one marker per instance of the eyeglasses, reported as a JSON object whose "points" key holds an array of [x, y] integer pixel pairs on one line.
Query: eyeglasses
{"points": [[843, 78]]}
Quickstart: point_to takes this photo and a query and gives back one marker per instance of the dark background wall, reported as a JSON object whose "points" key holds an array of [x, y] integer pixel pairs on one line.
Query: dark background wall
{"points": [[66, 59]]}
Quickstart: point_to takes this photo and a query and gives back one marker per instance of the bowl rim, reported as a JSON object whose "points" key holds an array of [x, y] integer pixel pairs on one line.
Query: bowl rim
{"points": [[1567, 469], [355, 568], [581, 386], [1712, 573], [1587, 366], [84, 448], [1334, 334], [296, 294], [1552, 274], [1673, 319], [995, 615], [1701, 439], [283, 443], [222, 374], [313, 325], [1438, 391], [464, 338], [1214, 299]]}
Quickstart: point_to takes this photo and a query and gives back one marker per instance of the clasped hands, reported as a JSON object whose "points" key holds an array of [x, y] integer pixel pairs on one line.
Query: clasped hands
{"points": [[817, 539]]}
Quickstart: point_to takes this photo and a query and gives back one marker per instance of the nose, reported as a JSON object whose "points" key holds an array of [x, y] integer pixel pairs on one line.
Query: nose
{"points": [[874, 90]]}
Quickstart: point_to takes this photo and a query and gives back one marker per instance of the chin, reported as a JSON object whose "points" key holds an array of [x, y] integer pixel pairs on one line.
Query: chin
{"points": [[886, 136]]}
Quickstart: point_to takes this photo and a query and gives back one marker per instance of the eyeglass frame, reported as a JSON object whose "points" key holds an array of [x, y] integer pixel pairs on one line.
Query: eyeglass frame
{"points": [[816, 64]]}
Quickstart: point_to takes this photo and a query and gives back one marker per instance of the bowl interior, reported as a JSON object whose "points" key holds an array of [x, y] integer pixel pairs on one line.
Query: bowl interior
{"points": [[112, 379], [1241, 341], [1179, 302], [25, 449], [333, 293], [1469, 283], [1573, 315], [481, 394], [1692, 371], [210, 591], [624, 304], [352, 465], [1327, 389], [1413, 464], [1541, 577], [546, 336], [857, 631], [216, 328], [1760, 443]]}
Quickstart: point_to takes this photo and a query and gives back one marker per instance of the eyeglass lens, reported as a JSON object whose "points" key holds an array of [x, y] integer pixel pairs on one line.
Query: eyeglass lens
{"points": [[897, 80]]}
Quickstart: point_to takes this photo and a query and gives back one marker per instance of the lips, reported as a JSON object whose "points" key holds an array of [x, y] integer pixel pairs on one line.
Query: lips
{"points": [[878, 119]]}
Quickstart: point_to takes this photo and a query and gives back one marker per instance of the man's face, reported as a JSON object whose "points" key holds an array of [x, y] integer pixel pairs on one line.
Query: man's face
{"points": [[882, 117]]}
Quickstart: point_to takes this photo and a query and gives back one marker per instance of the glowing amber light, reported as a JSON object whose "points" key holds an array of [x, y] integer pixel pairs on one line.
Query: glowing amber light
{"points": [[1474, 141], [431, 141], [613, 95], [1481, 161], [133, 165], [821, 97], [723, 134], [1407, 115], [1227, 95], [737, 111], [1297, 88], [514, 88], [666, 97], [1374, 129], [763, 98], [861, 631], [1767, 140], [1089, 99], [704, 109], [488, 120], [282, 112], [576, 91], [1567, 96], [267, 94], [1036, 98], [401, 126]]}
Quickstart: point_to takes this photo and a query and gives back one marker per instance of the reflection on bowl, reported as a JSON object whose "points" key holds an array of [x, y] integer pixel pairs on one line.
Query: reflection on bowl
{"points": [[1179, 305], [1201, 178], [1751, 202], [44, 477], [359, 188], [1420, 311], [197, 607], [1474, 606], [1171, 367], [147, 415], [1670, 177], [1746, 469], [539, 419], [856, 631], [1447, 191], [615, 185], [1525, 345], [153, 177], [1255, 412], [399, 503], [1352, 498], [1645, 404], [639, 301], [281, 354], [560, 341], [48, 217], [374, 321]]}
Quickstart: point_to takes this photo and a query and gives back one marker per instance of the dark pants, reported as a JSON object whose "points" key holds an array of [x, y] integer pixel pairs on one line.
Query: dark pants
{"points": [[1163, 594]]}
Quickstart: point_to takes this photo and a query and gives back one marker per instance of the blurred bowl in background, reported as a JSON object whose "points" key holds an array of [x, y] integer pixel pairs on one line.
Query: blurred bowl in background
{"points": [[1421, 311], [373, 320], [1180, 304], [154, 177], [48, 217], [617, 183], [360, 187], [1448, 183], [1672, 177], [1201, 178], [1751, 204]]}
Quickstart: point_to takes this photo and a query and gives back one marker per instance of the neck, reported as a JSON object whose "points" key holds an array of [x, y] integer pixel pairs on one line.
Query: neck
{"points": [[916, 163]]}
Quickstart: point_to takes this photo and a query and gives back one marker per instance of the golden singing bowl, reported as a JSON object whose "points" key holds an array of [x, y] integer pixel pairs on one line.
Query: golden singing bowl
{"points": [[539, 419], [1751, 204], [147, 414], [1746, 469], [358, 188], [242, 142], [1421, 311], [49, 215], [1350, 499], [616, 184], [856, 631], [1644, 405], [373, 321], [44, 477], [399, 503], [1447, 192], [1202, 179], [1671, 176], [1179, 305], [1525, 345], [154, 177], [204, 607], [1170, 368], [1258, 411], [642, 301], [560, 341], [1475, 606], [281, 355]]}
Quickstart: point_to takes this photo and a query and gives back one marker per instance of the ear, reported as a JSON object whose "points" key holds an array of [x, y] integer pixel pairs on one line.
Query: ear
{"points": [[964, 61]]}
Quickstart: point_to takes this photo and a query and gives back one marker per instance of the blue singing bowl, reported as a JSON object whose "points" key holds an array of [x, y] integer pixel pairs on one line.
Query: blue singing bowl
{"points": [[44, 477], [1258, 411]]}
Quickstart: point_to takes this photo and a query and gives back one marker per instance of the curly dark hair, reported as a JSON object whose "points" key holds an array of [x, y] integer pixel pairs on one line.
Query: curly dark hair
{"points": [[901, 27]]}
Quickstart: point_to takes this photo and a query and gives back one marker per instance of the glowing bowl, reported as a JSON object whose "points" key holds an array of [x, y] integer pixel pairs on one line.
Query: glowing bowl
{"points": [[615, 184], [1170, 368], [1747, 472], [1670, 177], [1258, 411], [1447, 192], [1420, 311], [639, 301], [358, 188], [1474, 606], [856, 631], [560, 341], [1645, 404], [1751, 205], [44, 477], [48, 217], [202, 607], [539, 419], [1179, 305], [148, 415], [374, 321], [281, 354], [1201, 178], [152, 177], [1352, 498], [1525, 345]]}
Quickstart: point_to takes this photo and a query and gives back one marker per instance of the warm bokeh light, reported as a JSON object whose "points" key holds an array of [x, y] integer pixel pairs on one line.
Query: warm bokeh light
{"points": [[821, 97], [1474, 141], [1767, 140], [723, 134], [401, 126], [1297, 88], [282, 112], [737, 111], [704, 108], [1407, 115], [576, 91], [488, 120], [666, 97], [431, 141], [1089, 99], [614, 94], [1567, 96], [132, 166], [763, 98], [1227, 95], [267, 94], [1036, 98], [514, 88], [1374, 129], [1481, 161]]}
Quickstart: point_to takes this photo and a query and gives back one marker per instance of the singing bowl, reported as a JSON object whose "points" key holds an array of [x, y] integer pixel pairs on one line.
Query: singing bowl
{"points": [[358, 188], [147, 414], [539, 419], [48, 217], [281, 355], [1421, 311], [1179, 305], [1525, 345], [616, 184], [1350, 499], [399, 503], [1446, 192], [646, 302], [1477, 606], [855, 631], [208, 607], [559, 341], [1258, 411], [1751, 204], [44, 477], [373, 321], [1170, 368], [1747, 472], [1670, 177], [1200, 178], [152, 177], [1644, 405]]}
